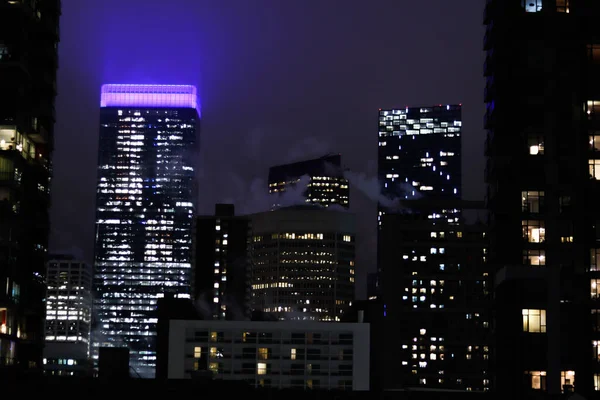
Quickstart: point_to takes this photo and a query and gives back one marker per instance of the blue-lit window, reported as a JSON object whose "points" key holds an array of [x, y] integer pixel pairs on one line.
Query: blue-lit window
{"points": [[532, 5]]}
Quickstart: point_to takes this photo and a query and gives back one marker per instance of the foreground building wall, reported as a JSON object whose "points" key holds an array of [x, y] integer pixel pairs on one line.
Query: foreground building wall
{"points": [[278, 354]]}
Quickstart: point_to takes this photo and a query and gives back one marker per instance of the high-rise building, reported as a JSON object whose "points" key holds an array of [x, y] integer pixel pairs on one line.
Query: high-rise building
{"points": [[68, 317], [28, 64], [222, 264], [542, 100], [326, 184], [435, 291], [303, 262], [420, 154], [145, 204]]}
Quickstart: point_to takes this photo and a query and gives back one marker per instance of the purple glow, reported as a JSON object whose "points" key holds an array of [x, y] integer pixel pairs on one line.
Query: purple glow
{"points": [[166, 96]]}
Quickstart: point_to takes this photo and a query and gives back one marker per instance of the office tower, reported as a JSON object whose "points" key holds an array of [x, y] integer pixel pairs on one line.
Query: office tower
{"points": [[419, 155], [222, 264], [542, 107], [68, 317], [326, 184], [435, 291], [145, 206], [303, 262], [28, 64]]}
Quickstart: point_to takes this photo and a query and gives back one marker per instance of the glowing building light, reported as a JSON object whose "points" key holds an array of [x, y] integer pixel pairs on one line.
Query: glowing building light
{"points": [[163, 96]]}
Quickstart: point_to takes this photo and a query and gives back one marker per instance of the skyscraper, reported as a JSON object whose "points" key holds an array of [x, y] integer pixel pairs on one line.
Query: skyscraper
{"points": [[145, 205], [303, 263], [326, 182], [68, 317], [435, 291], [222, 264], [28, 64], [419, 153], [542, 100]]}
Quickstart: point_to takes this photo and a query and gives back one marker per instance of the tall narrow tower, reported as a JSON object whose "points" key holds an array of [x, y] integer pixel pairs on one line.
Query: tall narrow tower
{"points": [[145, 204]]}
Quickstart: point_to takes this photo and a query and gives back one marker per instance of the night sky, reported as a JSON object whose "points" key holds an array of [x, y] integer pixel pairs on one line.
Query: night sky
{"points": [[279, 80]]}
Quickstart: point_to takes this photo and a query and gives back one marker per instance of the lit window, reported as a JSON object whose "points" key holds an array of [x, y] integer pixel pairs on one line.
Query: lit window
{"points": [[263, 353], [213, 336], [261, 368], [594, 166], [534, 257], [214, 367], [562, 6], [292, 354], [595, 288], [567, 378], [592, 107], [537, 379], [532, 201], [594, 259], [532, 6], [197, 352], [535, 144], [594, 53], [534, 321], [597, 382], [534, 231]]}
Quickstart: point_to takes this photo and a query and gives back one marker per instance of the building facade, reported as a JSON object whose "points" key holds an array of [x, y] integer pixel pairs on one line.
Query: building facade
{"points": [[303, 263], [68, 317], [145, 204], [419, 153], [436, 293], [28, 65], [326, 183], [542, 94], [277, 354], [222, 264]]}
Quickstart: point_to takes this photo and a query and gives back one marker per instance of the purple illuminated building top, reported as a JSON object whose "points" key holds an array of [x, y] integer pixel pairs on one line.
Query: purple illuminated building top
{"points": [[164, 96]]}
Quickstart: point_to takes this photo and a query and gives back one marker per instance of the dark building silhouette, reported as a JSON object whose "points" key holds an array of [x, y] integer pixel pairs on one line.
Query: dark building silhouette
{"points": [[170, 308], [113, 363], [29, 35], [221, 276], [435, 293], [326, 185], [542, 100], [145, 204]]}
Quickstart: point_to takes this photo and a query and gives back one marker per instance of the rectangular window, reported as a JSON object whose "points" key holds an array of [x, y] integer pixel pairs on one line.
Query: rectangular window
{"points": [[534, 231], [535, 144], [594, 259], [261, 368], [538, 379], [567, 378], [594, 169], [592, 108], [596, 347], [594, 141], [595, 289], [564, 203], [595, 320], [534, 321], [562, 6], [532, 201], [532, 6], [263, 353], [292, 354], [534, 257], [596, 382], [197, 352], [594, 53]]}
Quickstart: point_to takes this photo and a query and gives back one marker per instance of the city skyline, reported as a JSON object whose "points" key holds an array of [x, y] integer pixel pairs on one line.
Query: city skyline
{"points": [[255, 79]]}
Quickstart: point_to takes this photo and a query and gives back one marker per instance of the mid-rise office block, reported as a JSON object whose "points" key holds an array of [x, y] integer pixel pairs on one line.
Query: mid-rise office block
{"points": [[222, 264], [29, 37], [279, 354], [326, 182], [68, 317], [542, 95], [145, 202], [436, 297], [303, 262]]}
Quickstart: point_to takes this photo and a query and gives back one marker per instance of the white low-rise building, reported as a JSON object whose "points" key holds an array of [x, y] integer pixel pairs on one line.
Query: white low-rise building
{"points": [[279, 354]]}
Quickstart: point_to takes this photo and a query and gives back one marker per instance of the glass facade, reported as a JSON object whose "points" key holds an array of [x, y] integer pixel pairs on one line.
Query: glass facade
{"points": [[145, 204]]}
